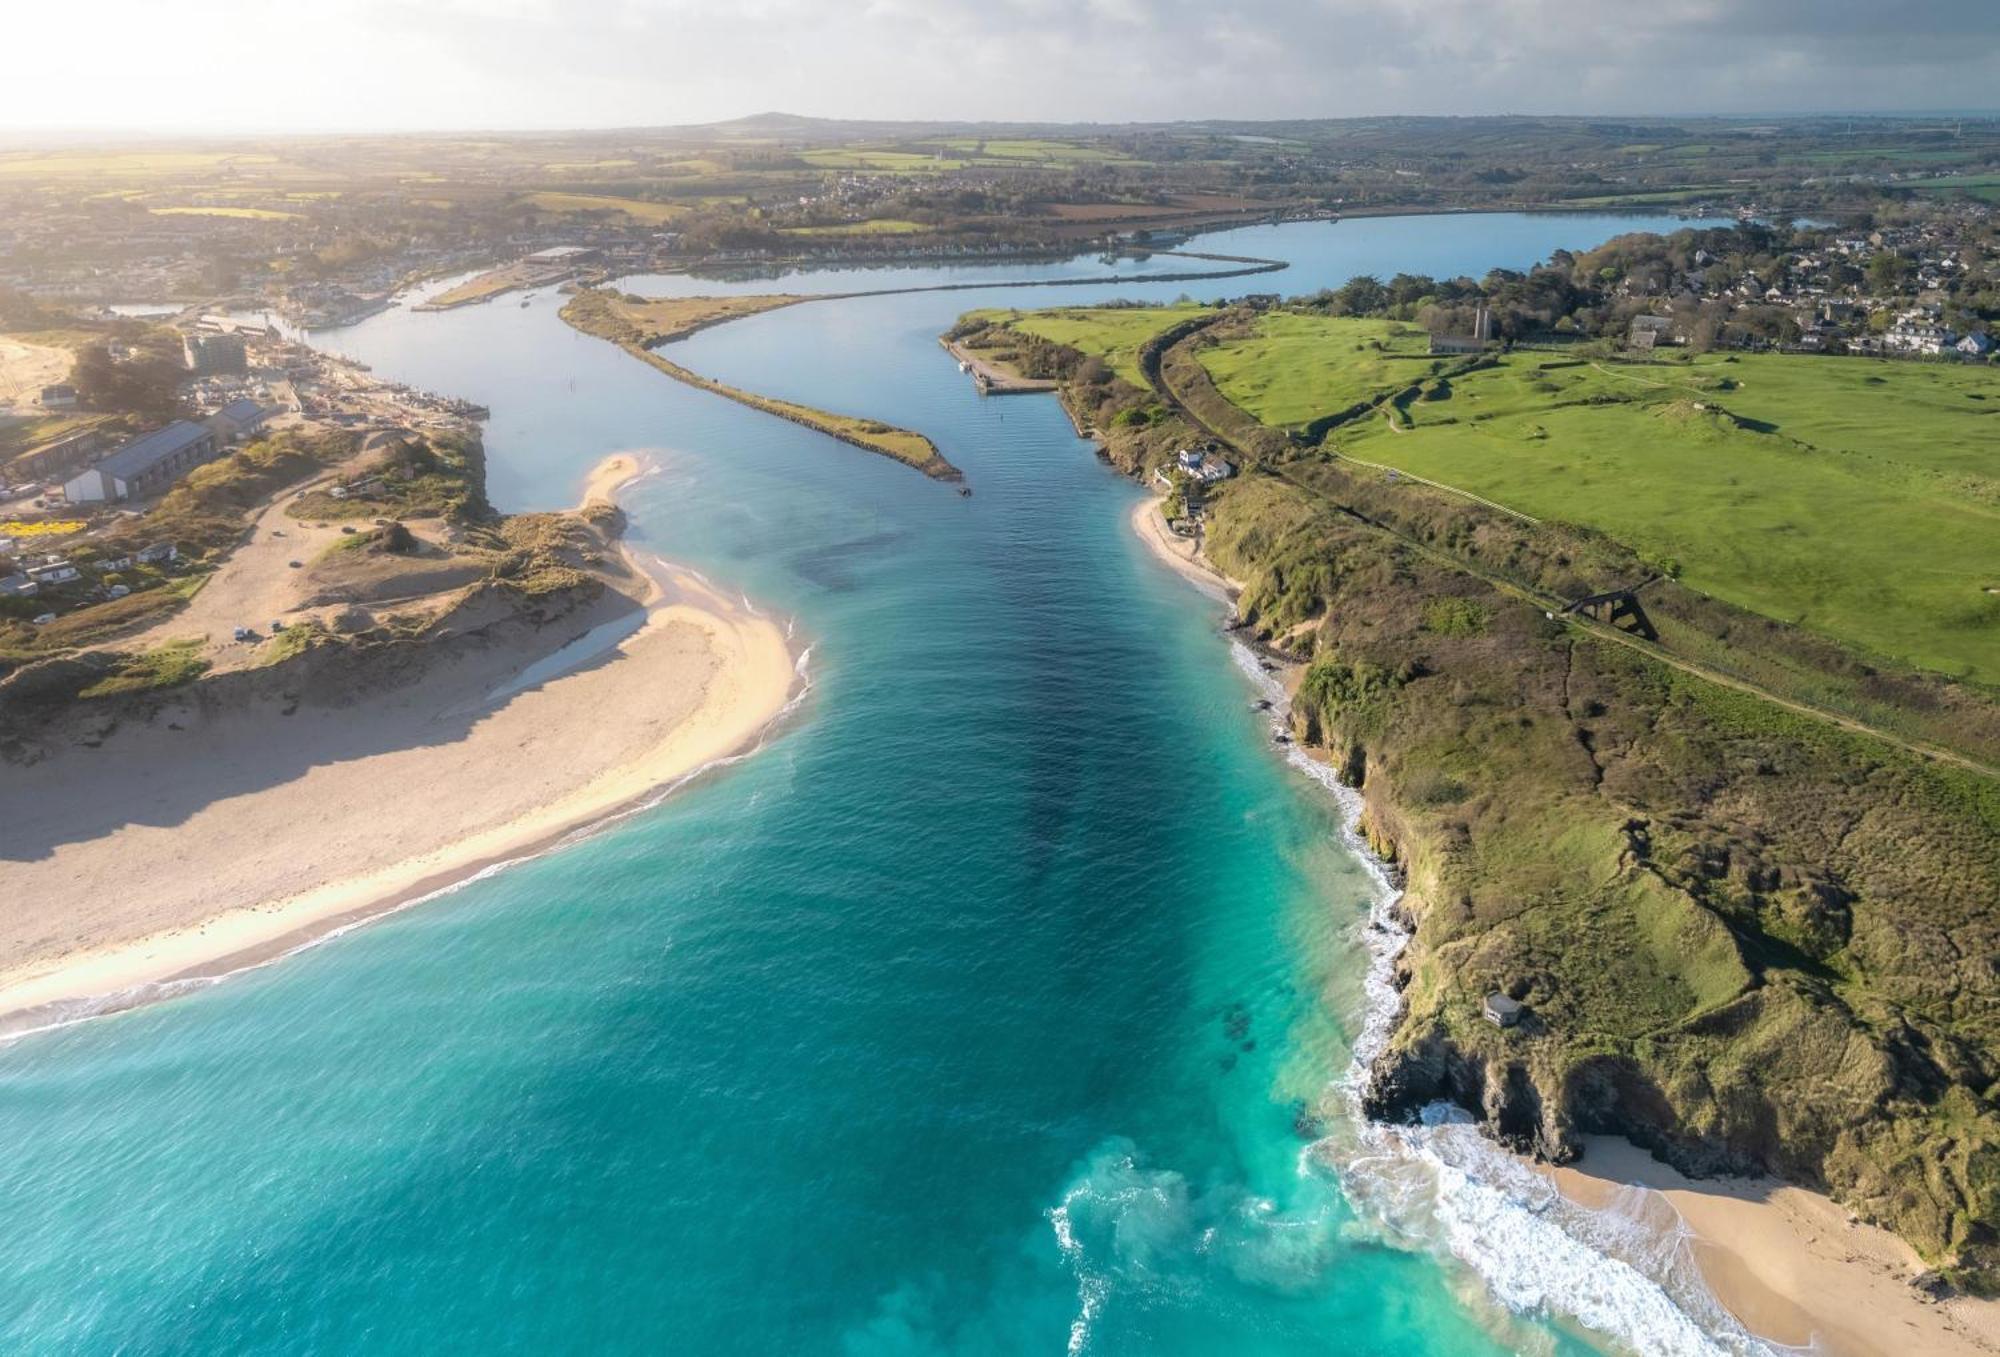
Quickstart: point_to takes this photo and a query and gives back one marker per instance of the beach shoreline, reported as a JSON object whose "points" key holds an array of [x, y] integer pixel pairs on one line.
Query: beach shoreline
{"points": [[726, 674], [1793, 1266], [1183, 556]]}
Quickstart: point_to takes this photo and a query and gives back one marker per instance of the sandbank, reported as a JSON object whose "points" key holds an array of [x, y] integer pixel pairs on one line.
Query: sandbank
{"points": [[205, 841]]}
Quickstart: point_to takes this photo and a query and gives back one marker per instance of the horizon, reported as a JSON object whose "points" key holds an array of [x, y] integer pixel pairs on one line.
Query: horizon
{"points": [[30, 134], [359, 67]]}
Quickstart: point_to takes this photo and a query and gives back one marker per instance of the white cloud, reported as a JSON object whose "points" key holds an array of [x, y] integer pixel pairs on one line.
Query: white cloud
{"points": [[228, 64]]}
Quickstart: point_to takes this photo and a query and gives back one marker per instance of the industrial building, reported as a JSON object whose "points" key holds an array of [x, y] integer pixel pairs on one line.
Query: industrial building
{"points": [[147, 465]]}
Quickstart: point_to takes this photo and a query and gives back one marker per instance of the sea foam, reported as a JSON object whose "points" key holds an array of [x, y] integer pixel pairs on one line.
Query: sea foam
{"points": [[1626, 1274]]}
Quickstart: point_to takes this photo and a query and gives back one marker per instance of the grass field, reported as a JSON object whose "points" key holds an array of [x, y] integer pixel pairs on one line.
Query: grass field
{"points": [[1298, 368], [886, 226], [1113, 333], [1858, 498], [857, 158], [241, 213], [636, 209]]}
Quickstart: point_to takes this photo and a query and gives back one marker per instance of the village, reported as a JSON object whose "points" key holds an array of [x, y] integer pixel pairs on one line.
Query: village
{"points": [[67, 503]]}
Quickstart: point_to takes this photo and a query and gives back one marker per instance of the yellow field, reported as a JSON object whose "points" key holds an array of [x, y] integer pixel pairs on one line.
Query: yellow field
{"points": [[591, 202], [241, 213], [55, 527], [888, 226], [138, 165]]}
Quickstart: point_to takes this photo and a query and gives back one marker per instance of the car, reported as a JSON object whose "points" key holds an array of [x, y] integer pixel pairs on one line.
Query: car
{"points": [[44, 619], [296, 565], [118, 591], [277, 627], [277, 532], [348, 529], [243, 634]]}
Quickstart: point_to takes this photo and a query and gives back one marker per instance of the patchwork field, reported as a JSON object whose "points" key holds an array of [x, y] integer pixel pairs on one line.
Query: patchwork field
{"points": [[1859, 498]]}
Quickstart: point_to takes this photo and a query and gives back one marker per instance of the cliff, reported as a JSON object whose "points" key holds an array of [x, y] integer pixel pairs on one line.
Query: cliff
{"points": [[1748, 934]]}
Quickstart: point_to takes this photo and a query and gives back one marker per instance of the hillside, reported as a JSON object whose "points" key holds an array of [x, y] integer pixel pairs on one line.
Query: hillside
{"points": [[1752, 930]]}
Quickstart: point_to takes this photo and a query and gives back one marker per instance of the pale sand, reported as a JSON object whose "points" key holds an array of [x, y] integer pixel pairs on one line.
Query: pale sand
{"points": [[169, 854], [1183, 554], [1786, 1261]]}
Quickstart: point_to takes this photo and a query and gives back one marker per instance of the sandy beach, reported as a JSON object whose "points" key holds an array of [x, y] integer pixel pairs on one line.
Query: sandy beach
{"points": [[1790, 1264], [1183, 554], [205, 840]]}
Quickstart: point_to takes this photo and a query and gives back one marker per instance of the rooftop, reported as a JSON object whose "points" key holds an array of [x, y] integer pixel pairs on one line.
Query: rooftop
{"points": [[149, 450]]}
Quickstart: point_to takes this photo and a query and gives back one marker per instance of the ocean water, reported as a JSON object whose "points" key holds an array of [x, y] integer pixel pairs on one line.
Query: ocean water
{"points": [[1006, 1002]]}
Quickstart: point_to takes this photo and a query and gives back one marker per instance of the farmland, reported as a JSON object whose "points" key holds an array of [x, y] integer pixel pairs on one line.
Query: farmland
{"points": [[1113, 333], [1299, 367], [1858, 498]]}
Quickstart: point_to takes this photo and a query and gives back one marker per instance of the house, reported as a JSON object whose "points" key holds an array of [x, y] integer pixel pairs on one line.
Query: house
{"points": [[238, 419], [1204, 466], [1975, 346], [61, 396], [147, 465], [160, 553], [1647, 331], [18, 586], [115, 563], [1916, 336], [54, 571], [1500, 1010]]}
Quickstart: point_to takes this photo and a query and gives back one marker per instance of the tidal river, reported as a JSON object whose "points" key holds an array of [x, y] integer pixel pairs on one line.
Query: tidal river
{"points": [[1000, 1005]]}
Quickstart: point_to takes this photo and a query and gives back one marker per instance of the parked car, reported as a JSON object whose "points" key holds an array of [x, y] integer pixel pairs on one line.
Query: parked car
{"points": [[296, 565], [277, 627], [44, 619], [244, 634]]}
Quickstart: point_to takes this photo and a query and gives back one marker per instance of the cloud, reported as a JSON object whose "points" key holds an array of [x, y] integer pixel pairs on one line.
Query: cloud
{"points": [[568, 63]]}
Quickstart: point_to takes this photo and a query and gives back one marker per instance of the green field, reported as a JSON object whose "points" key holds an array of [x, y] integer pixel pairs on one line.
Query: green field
{"points": [[1858, 498], [1298, 368], [857, 158], [1113, 333], [636, 208], [885, 226]]}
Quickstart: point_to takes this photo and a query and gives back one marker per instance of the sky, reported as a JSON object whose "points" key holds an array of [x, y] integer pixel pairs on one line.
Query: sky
{"points": [[386, 65]]}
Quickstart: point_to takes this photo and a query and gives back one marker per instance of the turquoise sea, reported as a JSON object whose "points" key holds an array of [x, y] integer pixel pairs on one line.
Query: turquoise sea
{"points": [[1000, 1005]]}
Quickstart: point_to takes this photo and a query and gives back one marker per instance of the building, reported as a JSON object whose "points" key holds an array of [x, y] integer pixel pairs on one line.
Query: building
{"points": [[54, 570], [218, 355], [1648, 331], [1500, 1010], [18, 586], [1476, 342], [238, 419], [563, 254], [1204, 466], [1975, 346], [160, 553], [147, 465], [58, 457], [61, 396]]}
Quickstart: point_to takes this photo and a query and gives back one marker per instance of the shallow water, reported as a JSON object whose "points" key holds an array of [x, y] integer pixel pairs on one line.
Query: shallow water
{"points": [[985, 1011]]}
